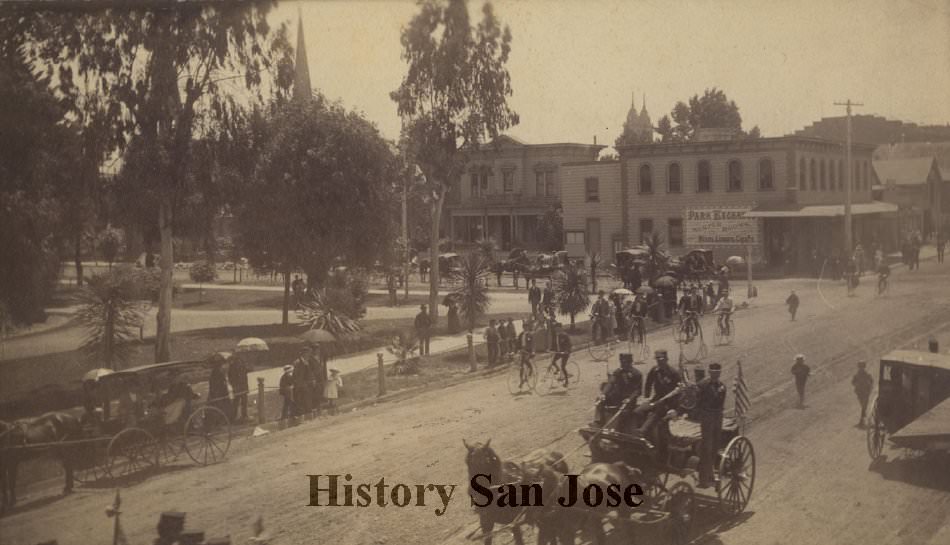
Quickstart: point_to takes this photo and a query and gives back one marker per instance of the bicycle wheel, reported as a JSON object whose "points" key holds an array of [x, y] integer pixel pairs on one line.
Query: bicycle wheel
{"points": [[717, 334], [516, 385], [731, 331], [695, 349], [549, 381], [573, 373], [600, 352]]}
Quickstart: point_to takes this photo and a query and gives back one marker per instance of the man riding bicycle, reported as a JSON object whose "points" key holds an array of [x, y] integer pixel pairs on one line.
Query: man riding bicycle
{"points": [[724, 308], [600, 319], [562, 351], [883, 273], [526, 354], [689, 310]]}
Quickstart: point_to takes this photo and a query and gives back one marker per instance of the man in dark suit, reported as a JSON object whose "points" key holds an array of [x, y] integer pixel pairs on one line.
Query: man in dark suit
{"points": [[423, 325]]}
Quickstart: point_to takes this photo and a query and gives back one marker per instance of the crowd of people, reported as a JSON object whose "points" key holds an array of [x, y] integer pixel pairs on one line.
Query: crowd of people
{"points": [[308, 387]]}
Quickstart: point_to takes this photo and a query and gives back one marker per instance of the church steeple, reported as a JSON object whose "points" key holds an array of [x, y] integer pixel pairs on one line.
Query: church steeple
{"points": [[302, 88]]}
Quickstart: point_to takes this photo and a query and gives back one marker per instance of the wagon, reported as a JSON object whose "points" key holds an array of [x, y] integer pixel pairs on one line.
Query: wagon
{"points": [[159, 420], [670, 485], [912, 407]]}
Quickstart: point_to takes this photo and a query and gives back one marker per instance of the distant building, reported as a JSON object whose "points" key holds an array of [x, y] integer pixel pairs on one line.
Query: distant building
{"points": [[638, 127], [786, 195], [915, 185], [507, 187], [873, 129]]}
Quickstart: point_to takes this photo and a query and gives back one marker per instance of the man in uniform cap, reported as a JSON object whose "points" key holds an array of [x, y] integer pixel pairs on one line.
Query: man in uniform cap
{"points": [[170, 526], [710, 402], [661, 381], [624, 385], [800, 371]]}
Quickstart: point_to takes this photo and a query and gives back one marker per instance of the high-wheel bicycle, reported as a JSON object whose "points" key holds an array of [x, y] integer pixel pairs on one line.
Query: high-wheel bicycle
{"points": [[551, 379], [688, 334], [602, 352], [637, 341], [882, 285], [725, 334], [522, 377]]}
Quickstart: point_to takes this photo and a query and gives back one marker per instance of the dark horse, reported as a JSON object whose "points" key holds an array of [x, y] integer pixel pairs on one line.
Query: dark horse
{"points": [[555, 524], [51, 427]]}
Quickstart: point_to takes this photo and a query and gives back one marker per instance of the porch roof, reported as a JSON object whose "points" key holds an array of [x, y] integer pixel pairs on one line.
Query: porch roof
{"points": [[819, 210]]}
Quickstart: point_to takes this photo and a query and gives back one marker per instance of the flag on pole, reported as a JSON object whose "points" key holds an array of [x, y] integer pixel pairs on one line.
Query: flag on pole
{"points": [[741, 392]]}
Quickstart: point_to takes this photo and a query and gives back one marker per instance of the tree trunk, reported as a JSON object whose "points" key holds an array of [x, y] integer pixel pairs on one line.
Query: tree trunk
{"points": [[285, 318], [107, 347], [572, 323], [434, 273], [78, 257], [166, 259]]}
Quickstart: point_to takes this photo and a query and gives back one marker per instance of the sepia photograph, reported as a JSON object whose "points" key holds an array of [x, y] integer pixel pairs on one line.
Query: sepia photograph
{"points": [[474, 272]]}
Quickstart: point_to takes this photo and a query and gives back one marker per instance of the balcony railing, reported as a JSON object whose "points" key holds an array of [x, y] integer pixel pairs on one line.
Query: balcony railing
{"points": [[508, 199]]}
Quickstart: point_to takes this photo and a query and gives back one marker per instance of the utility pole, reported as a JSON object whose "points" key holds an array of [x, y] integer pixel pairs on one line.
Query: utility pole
{"points": [[849, 177]]}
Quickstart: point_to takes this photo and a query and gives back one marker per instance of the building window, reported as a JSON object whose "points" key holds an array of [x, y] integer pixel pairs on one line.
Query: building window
{"points": [[821, 179], [813, 174], [508, 178], [646, 229], [802, 175], [864, 168], [832, 180], [735, 175], [646, 179], [592, 190], [485, 183], [840, 177], [673, 184], [765, 174], [476, 191], [617, 244], [675, 235], [703, 184], [544, 183], [574, 237]]}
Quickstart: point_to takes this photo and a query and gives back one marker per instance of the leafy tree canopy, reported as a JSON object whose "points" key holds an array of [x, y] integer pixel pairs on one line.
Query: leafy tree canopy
{"points": [[711, 110]]}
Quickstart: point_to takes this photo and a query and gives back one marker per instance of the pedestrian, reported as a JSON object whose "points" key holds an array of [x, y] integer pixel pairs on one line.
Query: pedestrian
{"points": [[878, 258], [503, 340], [218, 395], [318, 370], [512, 336], [491, 340], [534, 297], [863, 384], [547, 299], [941, 245], [600, 319], [514, 275], [453, 317], [286, 389], [303, 383], [859, 258], [391, 287], [710, 402], [792, 302], [498, 272], [237, 378], [800, 371], [332, 390], [423, 325], [635, 278]]}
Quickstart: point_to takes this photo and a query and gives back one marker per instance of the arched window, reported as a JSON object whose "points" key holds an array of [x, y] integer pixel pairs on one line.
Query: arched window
{"points": [[646, 179], [821, 179], [673, 178], [703, 183], [802, 175], [813, 174], [735, 175], [765, 173]]}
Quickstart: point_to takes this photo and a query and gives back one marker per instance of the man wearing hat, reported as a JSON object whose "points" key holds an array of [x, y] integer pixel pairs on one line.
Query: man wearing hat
{"points": [[625, 383], [287, 392], [710, 402], [423, 326], [863, 384], [303, 383], [600, 313], [800, 371], [562, 351], [661, 381], [237, 378]]}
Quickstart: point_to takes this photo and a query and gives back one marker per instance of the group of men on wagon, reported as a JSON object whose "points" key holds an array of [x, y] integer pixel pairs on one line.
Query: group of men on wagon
{"points": [[650, 419]]}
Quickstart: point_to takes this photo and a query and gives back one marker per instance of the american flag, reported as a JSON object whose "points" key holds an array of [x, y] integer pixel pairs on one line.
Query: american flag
{"points": [[741, 392]]}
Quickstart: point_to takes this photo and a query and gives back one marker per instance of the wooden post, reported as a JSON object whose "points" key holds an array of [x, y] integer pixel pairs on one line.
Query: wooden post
{"points": [[748, 264], [261, 417], [472, 366], [380, 374]]}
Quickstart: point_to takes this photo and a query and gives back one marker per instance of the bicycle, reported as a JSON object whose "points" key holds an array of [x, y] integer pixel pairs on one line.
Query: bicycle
{"points": [[688, 334], [725, 334], [523, 377], [602, 352], [637, 340], [552, 376]]}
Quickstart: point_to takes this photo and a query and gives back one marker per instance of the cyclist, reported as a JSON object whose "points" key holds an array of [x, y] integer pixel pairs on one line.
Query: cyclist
{"points": [[883, 272], [526, 353], [638, 313], [689, 309], [600, 316], [724, 308], [562, 351]]}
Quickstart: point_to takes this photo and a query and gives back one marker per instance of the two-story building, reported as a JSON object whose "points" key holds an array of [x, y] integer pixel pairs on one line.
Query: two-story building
{"points": [[915, 186], [782, 197], [507, 187]]}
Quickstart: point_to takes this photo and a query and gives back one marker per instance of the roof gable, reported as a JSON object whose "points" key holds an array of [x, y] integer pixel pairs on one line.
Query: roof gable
{"points": [[914, 171]]}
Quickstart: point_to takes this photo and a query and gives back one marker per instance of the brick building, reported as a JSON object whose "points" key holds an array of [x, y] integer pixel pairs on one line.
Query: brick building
{"points": [[788, 190], [507, 186]]}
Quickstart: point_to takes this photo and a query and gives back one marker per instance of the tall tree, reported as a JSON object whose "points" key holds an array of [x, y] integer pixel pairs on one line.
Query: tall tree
{"points": [[159, 70], [472, 291], [453, 98], [321, 191], [712, 110]]}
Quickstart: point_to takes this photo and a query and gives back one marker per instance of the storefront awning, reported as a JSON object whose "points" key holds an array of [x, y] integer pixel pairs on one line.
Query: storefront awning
{"points": [[819, 210]]}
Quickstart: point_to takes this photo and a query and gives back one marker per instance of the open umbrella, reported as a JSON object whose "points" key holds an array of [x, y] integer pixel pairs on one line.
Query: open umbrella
{"points": [[251, 344], [622, 291], [315, 336], [93, 376], [665, 282], [219, 357], [645, 290], [735, 260]]}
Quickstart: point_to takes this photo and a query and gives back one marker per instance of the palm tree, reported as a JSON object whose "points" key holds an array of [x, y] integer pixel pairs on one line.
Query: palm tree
{"points": [[487, 248], [657, 259], [318, 312], [112, 312], [570, 291], [472, 291]]}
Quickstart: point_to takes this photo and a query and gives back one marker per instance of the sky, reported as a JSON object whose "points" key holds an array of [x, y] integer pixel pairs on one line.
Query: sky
{"points": [[576, 64]]}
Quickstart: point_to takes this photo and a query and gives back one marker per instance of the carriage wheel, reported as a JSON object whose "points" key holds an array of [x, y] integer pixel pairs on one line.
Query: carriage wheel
{"points": [[515, 385], [130, 451], [876, 433], [681, 507], [207, 435], [736, 476]]}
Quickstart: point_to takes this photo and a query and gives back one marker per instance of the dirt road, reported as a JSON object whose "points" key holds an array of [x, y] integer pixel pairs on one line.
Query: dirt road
{"points": [[813, 483]]}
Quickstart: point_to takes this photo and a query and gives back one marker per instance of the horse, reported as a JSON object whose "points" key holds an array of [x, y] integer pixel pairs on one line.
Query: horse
{"points": [[51, 427]]}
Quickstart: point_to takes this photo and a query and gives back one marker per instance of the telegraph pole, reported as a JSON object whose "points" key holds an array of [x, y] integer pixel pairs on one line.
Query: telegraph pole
{"points": [[849, 177]]}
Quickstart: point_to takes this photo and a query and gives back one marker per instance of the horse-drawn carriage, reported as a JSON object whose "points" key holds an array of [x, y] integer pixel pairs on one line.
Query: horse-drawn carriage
{"points": [[158, 418], [912, 406]]}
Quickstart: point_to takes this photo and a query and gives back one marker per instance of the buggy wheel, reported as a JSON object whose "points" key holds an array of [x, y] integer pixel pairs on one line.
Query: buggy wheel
{"points": [[681, 506], [515, 385], [207, 436], [876, 433], [736, 477], [130, 451]]}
